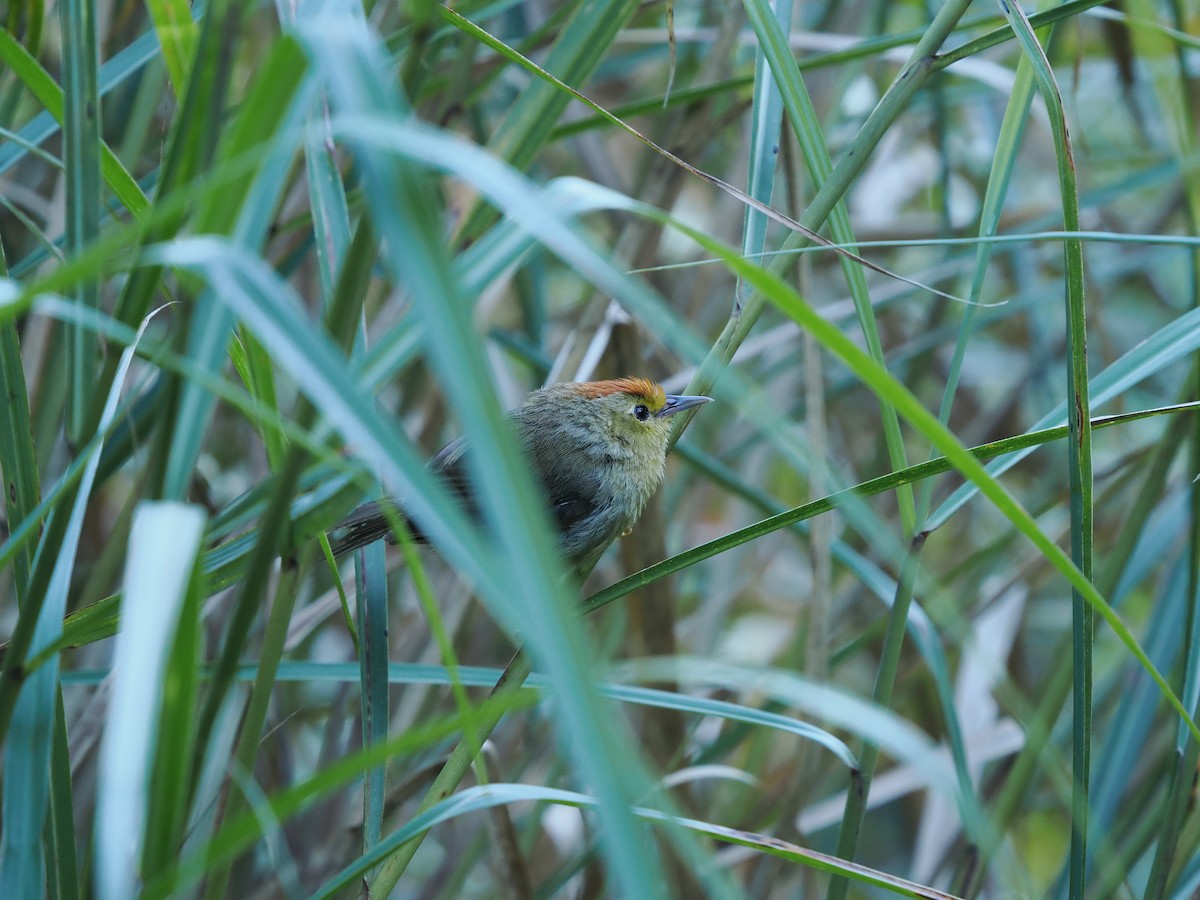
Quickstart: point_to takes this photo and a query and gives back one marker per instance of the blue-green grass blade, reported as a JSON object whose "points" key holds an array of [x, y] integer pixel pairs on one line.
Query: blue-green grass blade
{"points": [[475, 799], [163, 547], [50, 95], [18, 462], [28, 746], [81, 158], [326, 198], [262, 299], [879, 379], [581, 44], [406, 219], [1162, 54], [261, 132], [1167, 345], [235, 836], [1079, 447], [807, 127], [167, 811], [766, 117], [477, 676], [372, 594]]}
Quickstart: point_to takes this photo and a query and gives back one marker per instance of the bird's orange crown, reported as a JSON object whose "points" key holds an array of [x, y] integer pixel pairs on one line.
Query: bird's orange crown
{"points": [[642, 388]]}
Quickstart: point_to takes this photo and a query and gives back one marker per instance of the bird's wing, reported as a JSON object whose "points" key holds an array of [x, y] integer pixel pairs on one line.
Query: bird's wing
{"points": [[571, 509], [569, 506], [450, 462]]}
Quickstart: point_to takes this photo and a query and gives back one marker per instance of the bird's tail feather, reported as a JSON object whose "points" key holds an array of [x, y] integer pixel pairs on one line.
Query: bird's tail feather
{"points": [[369, 523]]}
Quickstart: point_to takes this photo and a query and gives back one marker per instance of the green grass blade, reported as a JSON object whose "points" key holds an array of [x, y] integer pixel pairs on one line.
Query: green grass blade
{"points": [[241, 832], [480, 798], [785, 519], [878, 379], [178, 37], [251, 170], [807, 127], [766, 116], [263, 132], [81, 156], [1079, 465], [402, 210], [50, 95], [62, 868], [1165, 346], [18, 462], [32, 710], [580, 46]]}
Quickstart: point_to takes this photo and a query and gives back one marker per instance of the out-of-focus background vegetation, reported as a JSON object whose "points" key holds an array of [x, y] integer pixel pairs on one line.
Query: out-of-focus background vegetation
{"points": [[261, 260]]}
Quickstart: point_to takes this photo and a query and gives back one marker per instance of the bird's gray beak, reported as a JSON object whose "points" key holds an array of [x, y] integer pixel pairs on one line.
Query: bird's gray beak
{"points": [[678, 403]]}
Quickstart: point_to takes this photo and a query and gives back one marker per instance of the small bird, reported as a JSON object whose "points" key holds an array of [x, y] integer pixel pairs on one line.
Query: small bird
{"points": [[598, 447]]}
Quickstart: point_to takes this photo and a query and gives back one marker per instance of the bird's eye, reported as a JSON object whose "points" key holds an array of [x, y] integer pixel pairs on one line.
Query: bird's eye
{"points": [[642, 412]]}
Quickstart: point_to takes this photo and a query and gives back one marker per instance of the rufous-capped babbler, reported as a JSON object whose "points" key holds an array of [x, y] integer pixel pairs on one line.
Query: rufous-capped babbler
{"points": [[598, 447]]}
